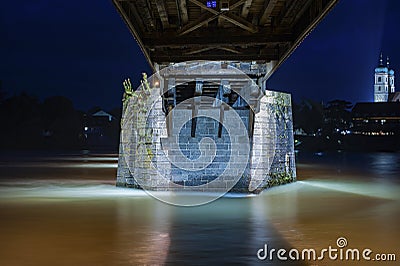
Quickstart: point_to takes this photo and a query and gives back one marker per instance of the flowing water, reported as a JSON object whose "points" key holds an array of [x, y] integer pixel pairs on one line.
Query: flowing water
{"points": [[66, 210]]}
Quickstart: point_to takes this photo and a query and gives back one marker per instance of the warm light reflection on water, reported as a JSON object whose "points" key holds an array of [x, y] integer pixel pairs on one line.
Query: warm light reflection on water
{"points": [[74, 215]]}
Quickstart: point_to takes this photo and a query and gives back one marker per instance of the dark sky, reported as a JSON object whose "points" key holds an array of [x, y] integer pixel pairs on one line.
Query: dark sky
{"points": [[338, 58], [83, 50]]}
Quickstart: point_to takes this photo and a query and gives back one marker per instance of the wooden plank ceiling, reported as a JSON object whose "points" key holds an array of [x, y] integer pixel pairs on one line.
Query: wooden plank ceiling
{"points": [[238, 30]]}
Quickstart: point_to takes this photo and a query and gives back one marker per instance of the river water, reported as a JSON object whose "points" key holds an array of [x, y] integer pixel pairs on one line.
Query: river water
{"points": [[66, 210]]}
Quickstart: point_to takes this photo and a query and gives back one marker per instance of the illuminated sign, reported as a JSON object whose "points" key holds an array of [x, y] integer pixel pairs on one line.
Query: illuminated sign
{"points": [[212, 4]]}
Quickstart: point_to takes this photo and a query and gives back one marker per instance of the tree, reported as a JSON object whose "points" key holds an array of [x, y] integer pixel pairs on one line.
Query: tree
{"points": [[94, 110], [337, 116], [3, 94], [20, 118], [308, 115], [62, 121]]}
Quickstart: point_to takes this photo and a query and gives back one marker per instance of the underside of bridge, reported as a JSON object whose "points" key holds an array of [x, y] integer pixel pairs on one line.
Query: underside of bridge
{"points": [[265, 31], [211, 60]]}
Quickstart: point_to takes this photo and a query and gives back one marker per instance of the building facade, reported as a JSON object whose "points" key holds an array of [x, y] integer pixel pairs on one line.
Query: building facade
{"points": [[384, 81], [381, 117]]}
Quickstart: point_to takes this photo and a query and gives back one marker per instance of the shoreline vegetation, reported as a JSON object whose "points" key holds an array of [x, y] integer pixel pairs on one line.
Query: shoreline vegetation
{"points": [[54, 124]]}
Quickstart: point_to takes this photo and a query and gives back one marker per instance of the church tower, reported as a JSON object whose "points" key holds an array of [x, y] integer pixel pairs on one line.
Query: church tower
{"points": [[381, 86], [391, 77]]}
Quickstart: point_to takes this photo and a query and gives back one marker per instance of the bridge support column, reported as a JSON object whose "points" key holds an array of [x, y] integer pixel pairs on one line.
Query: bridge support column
{"points": [[170, 157]]}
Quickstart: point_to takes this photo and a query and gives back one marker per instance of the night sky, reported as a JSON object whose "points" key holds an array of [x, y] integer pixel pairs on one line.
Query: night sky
{"points": [[83, 50]]}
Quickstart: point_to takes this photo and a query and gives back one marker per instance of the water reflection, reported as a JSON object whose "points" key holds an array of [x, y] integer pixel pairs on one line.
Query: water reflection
{"points": [[384, 164], [376, 164], [145, 243], [76, 216]]}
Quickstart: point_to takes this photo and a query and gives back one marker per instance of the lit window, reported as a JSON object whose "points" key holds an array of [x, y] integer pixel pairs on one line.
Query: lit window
{"points": [[211, 4]]}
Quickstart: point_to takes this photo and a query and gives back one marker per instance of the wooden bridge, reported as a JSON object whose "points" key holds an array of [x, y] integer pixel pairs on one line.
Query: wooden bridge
{"points": [[265, 31], [242, 42]]}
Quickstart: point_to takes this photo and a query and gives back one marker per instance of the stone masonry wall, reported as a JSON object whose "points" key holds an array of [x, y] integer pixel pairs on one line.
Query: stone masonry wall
{"points": [[148, 165], [272, 156]]}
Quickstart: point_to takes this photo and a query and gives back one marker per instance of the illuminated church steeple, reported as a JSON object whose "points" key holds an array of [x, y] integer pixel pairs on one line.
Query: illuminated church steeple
{"points": [[384, 81], [391, 77]]}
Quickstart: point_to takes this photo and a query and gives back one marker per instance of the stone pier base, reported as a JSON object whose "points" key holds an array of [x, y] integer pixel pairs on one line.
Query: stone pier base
{"points": [[202, 145]]}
